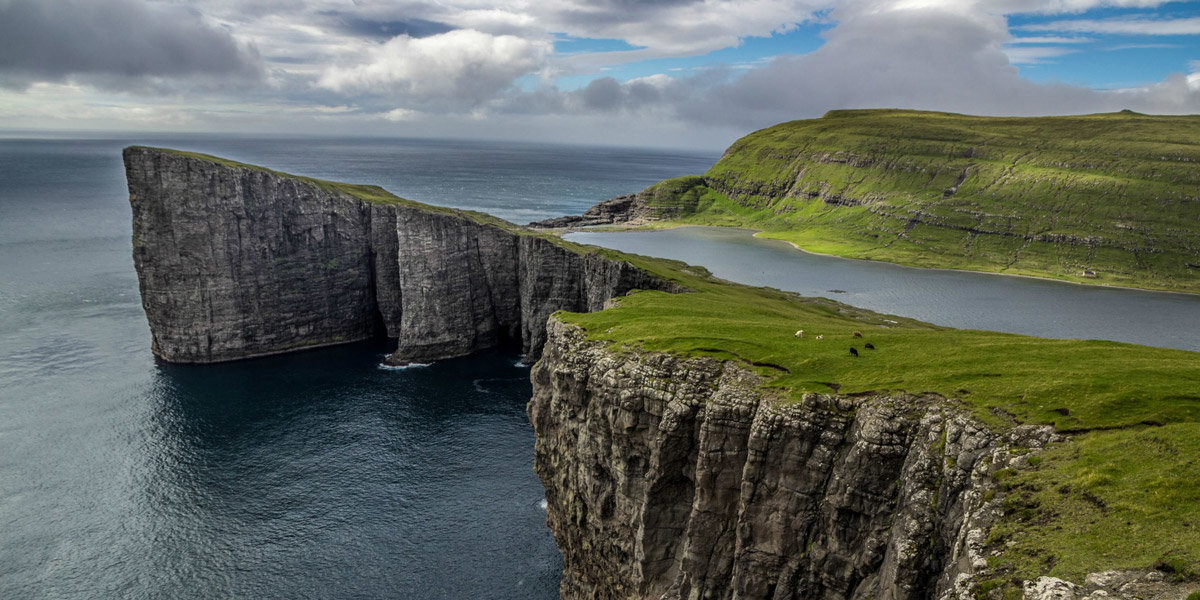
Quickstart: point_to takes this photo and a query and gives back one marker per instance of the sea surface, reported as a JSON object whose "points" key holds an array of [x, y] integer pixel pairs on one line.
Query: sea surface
{"points": [[311, 475]]}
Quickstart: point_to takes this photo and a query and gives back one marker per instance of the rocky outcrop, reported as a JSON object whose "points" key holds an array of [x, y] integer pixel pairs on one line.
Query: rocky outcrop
{"points": [[621, 209], [684, 478], [236, 261], [1113, 585]]}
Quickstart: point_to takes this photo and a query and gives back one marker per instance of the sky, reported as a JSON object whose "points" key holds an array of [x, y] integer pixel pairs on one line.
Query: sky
{"points": [[664, 73]]}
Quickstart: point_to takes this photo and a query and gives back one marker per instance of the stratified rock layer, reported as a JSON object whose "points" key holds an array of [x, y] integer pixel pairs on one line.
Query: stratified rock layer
{"points": [[235, 261], [678, 478]]}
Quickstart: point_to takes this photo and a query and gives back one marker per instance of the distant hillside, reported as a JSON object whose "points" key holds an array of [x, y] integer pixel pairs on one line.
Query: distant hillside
{"points": [[1111, 198]]}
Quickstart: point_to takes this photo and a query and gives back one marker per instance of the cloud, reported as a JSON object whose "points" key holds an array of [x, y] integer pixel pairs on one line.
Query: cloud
{"points": [[1034, 55], [383, 29], [116, 43], [1126, 26], [1052, 7], [1050, 39], [463, 67], [919, 55]]}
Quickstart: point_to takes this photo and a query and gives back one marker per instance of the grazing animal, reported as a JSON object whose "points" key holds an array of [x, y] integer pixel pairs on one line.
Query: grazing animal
{"points": [[820, 337], [800, 333], [857, 334], [869, 346], [853, 351]]}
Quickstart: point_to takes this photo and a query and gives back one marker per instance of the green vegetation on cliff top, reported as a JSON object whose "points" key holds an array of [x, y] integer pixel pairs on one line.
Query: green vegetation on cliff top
{"points": [[1125, 493], [367, 193], [1108, 199]]}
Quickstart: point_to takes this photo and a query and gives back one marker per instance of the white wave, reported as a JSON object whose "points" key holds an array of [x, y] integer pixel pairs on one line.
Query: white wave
{"points": [[387, 367], [543, 504]]}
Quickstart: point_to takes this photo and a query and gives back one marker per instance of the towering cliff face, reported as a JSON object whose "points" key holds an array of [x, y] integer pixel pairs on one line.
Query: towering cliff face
{"points": [[670, 478], [236, 261]]}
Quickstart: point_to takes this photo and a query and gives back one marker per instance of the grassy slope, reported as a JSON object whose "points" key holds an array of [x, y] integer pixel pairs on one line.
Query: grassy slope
{"points": [[1118, 194], [1116, 396]]}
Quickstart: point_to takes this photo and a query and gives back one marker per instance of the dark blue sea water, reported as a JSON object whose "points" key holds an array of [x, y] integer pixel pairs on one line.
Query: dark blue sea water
{"points": [[312, 475]]}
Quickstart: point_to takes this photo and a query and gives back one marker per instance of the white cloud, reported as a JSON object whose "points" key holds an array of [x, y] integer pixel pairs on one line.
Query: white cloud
{"points": [[1033, 55], [464, 67], [1127, 26], [1049, 39], [401, 114]]}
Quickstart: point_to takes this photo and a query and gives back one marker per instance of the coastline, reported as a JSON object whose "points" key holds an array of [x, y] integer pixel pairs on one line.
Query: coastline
{"points": [[756, 234]]}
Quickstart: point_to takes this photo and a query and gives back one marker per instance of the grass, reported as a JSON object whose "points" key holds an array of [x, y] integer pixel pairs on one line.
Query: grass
{"points": [[367, 193], [1124, 493], [1107, 500], [1104, 199]]}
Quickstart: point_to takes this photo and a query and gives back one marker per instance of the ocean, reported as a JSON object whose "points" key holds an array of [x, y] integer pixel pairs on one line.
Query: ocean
{"points": [[310, 475]]}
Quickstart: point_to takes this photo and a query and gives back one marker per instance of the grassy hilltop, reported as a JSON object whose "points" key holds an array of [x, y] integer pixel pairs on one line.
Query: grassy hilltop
{"points": [[1111, 199]]}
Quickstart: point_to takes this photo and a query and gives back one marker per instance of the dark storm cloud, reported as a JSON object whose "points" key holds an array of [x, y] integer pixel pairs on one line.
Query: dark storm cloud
{"points": [[383, 29], [607, 94], [112, 42]]}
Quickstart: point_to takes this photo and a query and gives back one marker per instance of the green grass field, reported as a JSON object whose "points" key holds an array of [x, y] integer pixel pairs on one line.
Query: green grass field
{"points": [[1108, 199], [1124, 493]]}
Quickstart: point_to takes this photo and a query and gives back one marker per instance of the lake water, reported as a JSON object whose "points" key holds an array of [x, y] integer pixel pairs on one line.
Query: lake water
{"points": [[311, 475], [955, 299]]}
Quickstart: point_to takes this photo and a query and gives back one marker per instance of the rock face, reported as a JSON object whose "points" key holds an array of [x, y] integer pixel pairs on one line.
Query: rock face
{"points": [[235, 261], [621, 209], [672, 478]]}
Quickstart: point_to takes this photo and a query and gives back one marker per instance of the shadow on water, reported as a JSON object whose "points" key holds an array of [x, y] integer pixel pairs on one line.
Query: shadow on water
{"points": [[321, 475]]}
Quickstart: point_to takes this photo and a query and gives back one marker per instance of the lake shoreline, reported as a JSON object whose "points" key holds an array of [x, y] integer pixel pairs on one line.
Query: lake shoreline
{"points": [[756, 234]]}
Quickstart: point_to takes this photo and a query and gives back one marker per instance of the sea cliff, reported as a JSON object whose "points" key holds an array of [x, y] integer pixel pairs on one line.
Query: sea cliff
{"points": [[684, 478], [235, 261]]}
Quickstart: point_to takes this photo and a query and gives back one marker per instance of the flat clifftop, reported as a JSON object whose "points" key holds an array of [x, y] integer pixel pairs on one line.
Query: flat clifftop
{"points": [[1118, 478], [236, 261], [694, 475], [366, 193], [1102, 199]]}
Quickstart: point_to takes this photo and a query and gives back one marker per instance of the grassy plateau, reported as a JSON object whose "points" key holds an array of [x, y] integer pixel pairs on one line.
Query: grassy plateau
{"points": [[1108, 199], [1124, 492]]}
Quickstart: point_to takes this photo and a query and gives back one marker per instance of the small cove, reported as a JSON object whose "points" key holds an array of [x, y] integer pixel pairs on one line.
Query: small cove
{"points": [[952, 298]]}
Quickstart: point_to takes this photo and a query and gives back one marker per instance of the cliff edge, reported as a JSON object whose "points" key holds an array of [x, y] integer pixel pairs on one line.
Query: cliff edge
{"points": [[236, 261], [683, 478]]}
